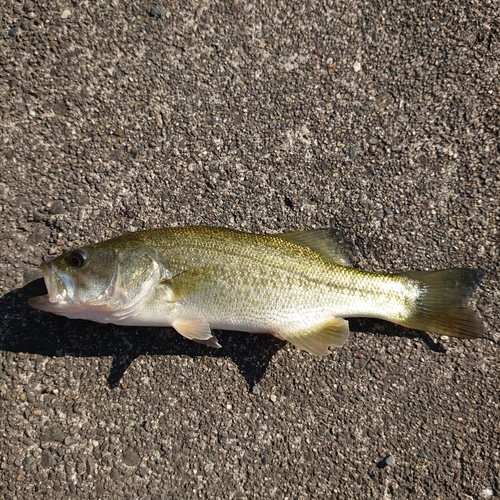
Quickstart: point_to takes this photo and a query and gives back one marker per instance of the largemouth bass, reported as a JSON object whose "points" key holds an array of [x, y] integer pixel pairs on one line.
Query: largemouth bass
{"points": [[298, 286]]}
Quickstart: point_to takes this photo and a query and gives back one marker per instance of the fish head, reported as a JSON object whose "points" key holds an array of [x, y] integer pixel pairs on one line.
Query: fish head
{"points": [[106, 282], [78, 279]]}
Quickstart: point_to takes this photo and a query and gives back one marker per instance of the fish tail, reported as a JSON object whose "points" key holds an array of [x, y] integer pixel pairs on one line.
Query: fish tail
{"points": [[442, 306]]}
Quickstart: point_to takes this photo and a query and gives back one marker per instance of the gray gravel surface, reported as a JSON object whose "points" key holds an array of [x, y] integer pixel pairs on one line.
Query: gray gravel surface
{"points": [[380, 118]]}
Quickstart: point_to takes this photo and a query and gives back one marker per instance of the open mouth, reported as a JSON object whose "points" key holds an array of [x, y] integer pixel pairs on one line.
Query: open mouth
{"points": [[41, 302], [55, 288]]}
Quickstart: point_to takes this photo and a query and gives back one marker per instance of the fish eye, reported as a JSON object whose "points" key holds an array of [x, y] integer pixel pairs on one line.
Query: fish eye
{"points": [[76, 258]]}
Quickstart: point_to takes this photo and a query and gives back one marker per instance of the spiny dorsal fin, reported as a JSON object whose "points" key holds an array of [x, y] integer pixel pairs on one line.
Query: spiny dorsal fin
{"points": [[327, 242], [319, 338]]}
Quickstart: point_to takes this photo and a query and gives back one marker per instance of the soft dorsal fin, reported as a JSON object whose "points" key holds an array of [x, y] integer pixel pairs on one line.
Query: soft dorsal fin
{"points": [[327, 242]]}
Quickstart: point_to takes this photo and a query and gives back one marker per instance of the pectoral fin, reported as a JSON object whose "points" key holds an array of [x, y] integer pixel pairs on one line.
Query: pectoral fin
{"points": [[184, 285], [319, 338], [188, 283]]}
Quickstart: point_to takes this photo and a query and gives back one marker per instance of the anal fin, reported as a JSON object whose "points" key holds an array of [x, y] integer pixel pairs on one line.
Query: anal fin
{"points": [[317, 339]]}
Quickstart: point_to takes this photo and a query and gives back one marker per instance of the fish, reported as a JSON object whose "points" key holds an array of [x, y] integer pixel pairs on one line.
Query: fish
{"points": [[299, 286]]}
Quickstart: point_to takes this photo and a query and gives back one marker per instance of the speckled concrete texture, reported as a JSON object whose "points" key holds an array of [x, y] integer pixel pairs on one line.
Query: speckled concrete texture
{"points": [[379, 118]]}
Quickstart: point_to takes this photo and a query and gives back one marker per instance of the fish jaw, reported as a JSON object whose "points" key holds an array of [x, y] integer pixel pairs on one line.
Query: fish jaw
{"points": [[47, 304], [56, 288], [105, 313], [60, 297], [55, 299]]}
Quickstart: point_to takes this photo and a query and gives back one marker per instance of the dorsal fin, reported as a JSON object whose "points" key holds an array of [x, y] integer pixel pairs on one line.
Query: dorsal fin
{"points": [[329, 243]]}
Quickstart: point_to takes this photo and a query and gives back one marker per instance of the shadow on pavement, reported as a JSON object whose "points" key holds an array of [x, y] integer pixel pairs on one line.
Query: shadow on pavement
{"points": [[24, 329]]}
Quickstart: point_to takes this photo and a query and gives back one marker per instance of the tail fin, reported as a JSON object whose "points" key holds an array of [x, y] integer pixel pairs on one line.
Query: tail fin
{"points": [[442, 306]]}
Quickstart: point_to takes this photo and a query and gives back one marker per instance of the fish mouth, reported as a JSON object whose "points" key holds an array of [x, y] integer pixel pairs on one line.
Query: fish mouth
{"points": [[42, 303], [56, 289]]}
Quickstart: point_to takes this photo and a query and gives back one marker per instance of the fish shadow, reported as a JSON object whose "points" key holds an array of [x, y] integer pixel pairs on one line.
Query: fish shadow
{"points": [[24, 329]]}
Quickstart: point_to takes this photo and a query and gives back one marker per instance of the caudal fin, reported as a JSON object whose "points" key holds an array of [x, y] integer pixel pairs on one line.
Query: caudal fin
{"points": [[442, 307]]}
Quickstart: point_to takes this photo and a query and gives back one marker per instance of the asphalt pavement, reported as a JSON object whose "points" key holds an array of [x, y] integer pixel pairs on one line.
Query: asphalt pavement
{"points": [[378, 118]]}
